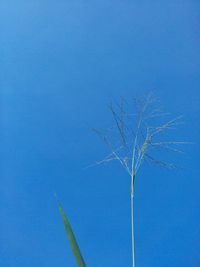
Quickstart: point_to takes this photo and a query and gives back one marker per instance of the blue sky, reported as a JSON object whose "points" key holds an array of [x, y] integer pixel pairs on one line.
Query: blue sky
{"points": [[61, 64]]}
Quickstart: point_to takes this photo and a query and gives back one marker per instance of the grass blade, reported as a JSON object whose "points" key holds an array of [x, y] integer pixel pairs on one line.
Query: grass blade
{"points": [[72, 239]]}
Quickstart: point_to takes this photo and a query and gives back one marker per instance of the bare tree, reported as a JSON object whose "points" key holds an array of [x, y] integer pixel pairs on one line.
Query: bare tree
{"points": [[134, 137]]}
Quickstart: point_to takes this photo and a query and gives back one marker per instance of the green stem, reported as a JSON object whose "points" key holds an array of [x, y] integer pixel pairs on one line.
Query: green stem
{"points": [[132, 230], [132, 220]]}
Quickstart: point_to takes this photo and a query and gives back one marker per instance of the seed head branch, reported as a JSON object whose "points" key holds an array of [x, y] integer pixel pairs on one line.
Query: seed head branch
{"points": [[137, 138]]}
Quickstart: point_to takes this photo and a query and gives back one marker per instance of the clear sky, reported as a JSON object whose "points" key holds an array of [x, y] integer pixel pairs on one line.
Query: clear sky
{"points": [[61, 63]]}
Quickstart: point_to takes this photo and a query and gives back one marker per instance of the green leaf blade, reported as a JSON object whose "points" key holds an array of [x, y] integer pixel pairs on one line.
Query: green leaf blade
{"points": [[72, 239]]}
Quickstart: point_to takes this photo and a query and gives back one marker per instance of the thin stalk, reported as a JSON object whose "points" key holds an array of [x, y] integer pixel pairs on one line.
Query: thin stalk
{"points": [[132, 230], [135, 144], [132, 220]]}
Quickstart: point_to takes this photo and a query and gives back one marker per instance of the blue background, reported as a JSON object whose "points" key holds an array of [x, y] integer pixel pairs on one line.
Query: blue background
{"points": [[61, 63]]}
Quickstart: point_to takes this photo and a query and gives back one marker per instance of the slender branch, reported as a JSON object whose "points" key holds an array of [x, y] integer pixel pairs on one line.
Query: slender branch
{"points": [[132, 231], [135, 142]]}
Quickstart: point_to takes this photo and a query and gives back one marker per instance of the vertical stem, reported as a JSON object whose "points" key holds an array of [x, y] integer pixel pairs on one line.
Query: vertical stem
{"points": [[132, 219], [132, 230]]}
